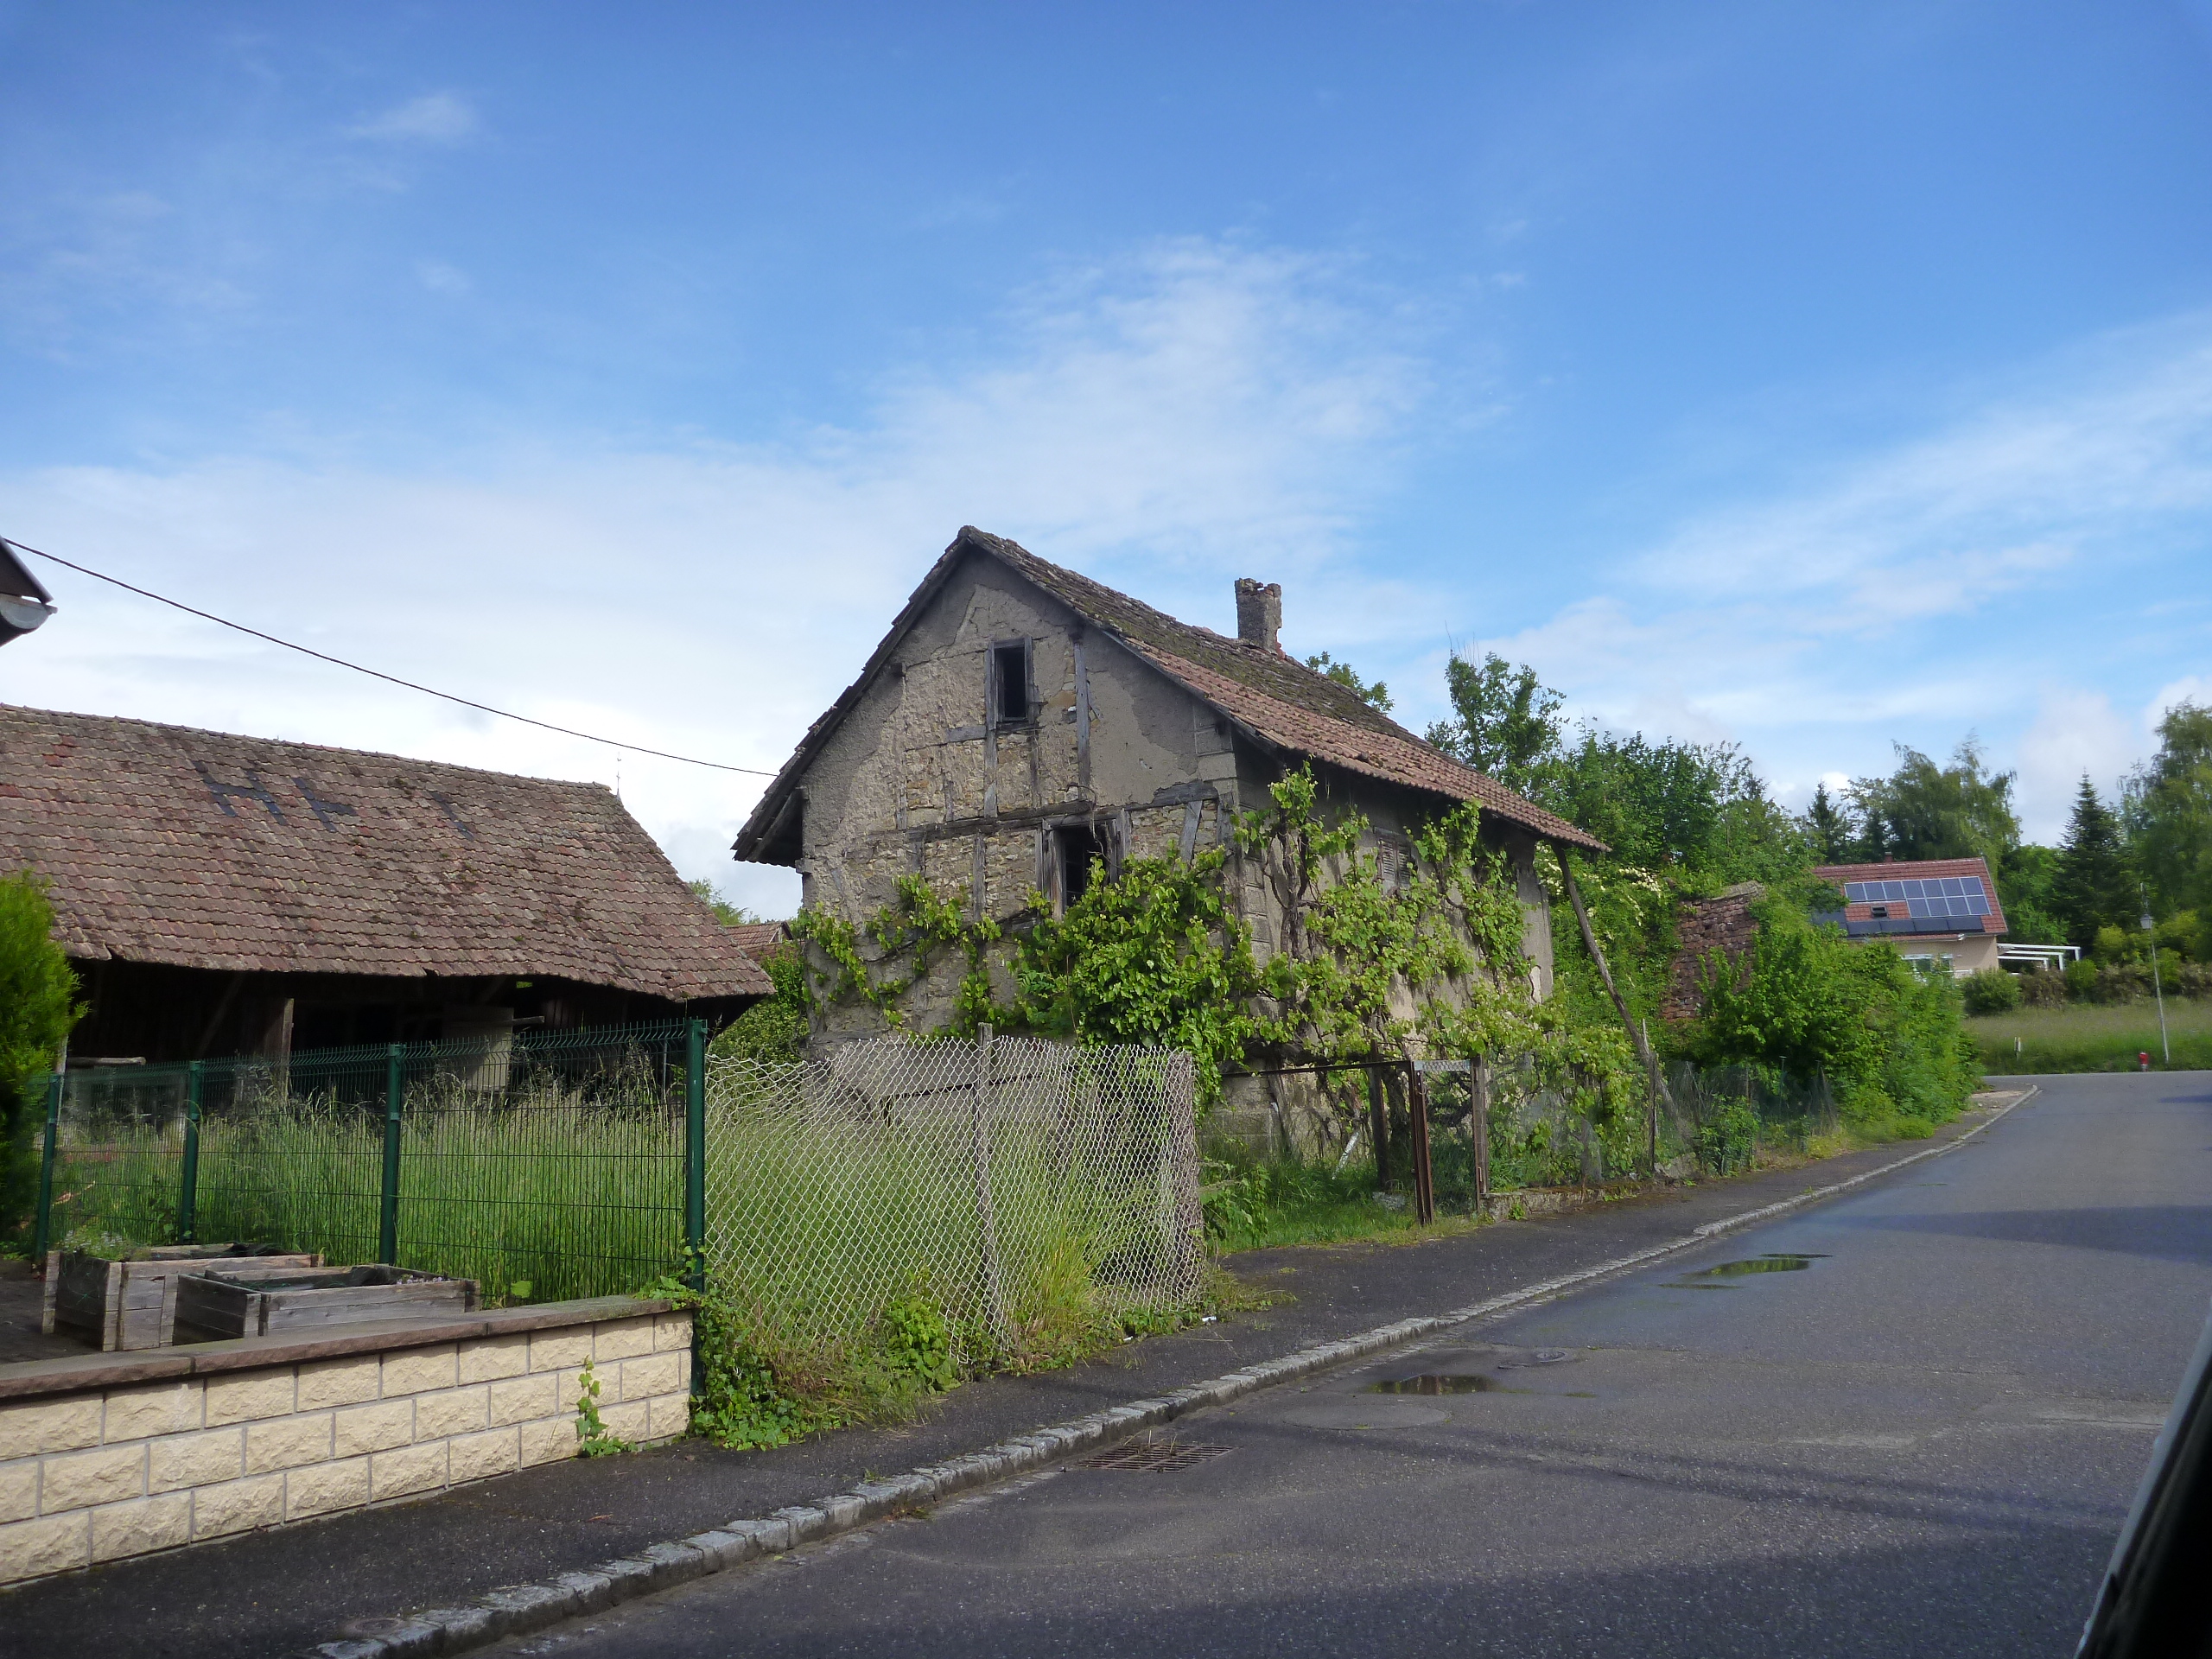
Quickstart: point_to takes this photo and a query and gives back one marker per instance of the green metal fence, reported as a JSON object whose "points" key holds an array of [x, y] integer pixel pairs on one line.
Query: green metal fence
{"points": [[542, 1165], [1004, 1180]]}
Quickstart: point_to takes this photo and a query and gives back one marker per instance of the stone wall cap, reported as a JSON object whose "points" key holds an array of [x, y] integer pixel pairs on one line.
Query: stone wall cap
{"points": [[77, 1374]]}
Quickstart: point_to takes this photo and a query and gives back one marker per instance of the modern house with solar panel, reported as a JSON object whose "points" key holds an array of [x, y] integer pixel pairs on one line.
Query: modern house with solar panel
{"points": [[1941, 913]]}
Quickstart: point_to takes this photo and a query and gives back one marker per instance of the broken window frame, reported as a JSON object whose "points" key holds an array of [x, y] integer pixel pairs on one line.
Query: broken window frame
{"points": [[1099, 843], [995, 715]]}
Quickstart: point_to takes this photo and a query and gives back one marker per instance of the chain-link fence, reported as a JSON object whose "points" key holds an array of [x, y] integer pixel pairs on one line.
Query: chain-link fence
{"points": [[1722, 1115], [993, 1177], [990, 1176]]}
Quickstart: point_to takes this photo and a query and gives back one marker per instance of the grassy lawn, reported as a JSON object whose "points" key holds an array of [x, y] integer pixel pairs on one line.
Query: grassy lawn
{"points": [[2083, 1038]]}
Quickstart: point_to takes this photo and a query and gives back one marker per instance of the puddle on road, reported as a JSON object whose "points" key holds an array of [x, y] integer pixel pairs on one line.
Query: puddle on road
{"points": [[1434, 1384], [1773, 1261]]}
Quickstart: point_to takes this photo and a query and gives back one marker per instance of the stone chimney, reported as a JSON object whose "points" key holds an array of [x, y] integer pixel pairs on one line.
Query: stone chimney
{"points": [[1259, 613]]}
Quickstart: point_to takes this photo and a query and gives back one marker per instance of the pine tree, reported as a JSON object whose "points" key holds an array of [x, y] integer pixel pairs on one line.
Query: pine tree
{"points": [[1828, 828], [2092, 887], [1873, 844]]}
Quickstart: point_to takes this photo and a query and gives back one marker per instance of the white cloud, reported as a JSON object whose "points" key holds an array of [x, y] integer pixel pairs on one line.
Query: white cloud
{"points": [[1167, 422], [2005, 499], [2191, 687], [1817, 623], [441, 278], [434, 118], [2074, 732]]}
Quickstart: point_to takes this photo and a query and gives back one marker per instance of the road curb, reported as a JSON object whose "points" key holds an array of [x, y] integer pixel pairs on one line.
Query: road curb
{"points": [[519, 1610]]}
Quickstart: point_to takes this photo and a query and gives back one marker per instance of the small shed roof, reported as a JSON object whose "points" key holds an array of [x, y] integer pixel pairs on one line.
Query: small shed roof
{"points": [[1271, 694], [203, 849]]}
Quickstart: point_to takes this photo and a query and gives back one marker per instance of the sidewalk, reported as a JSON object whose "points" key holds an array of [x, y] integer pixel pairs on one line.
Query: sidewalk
{"points": [[270, 1595]]}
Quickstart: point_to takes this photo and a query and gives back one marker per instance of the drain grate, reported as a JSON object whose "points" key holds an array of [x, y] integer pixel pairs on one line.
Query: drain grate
{"points": [[1152, 1456]]}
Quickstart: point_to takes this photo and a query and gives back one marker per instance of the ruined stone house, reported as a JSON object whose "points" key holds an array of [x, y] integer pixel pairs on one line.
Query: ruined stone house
{"points": [[1021, 723]]}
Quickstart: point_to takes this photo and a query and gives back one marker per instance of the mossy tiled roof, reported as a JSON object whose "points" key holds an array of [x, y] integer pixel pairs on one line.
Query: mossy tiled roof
{"points": [[203, 849], [1274, 695]]}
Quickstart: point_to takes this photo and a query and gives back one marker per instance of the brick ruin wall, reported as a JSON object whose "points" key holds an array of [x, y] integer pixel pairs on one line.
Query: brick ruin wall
{"points": [[1703, 927]]}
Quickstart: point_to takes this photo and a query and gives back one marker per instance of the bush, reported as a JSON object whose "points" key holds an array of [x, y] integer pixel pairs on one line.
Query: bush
{"points": [[1810, 1003], [2082, 980], [1990, 991], [1727, 1138], [2043, 988], [773, 1029], [38, 1005]]}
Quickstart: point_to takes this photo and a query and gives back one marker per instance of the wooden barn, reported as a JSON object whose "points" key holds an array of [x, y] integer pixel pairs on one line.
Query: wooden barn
{"points": [[222, 894]]}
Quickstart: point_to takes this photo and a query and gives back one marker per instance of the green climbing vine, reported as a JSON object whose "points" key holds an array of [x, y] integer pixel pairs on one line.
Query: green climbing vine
{"points": [[1425, 957], [916, 927]]}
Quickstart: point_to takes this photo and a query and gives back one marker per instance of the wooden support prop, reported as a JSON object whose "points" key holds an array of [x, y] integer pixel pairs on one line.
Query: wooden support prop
{"points": [[1378, 1127], [1424, 1174], [1651, 1062], [1597, 955]]}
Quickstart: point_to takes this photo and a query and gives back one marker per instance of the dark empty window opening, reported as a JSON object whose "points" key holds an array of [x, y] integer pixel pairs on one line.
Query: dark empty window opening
{"points": [[1010, 683], [1079, 852]]}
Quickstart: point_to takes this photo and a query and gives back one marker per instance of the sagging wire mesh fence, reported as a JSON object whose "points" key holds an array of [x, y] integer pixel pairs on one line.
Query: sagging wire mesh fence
{"points": [[542, 1165], [992, 1178], [999, 1179], [1710, 1119]]}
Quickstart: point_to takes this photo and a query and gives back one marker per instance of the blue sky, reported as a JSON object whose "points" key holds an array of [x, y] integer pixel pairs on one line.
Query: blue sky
{"points": [[1817, 377]]}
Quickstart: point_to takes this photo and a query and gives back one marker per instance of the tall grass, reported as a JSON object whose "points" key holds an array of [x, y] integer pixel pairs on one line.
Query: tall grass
{"points": [[542, 1196], [2079, 1037], [821, 1216], [833, 1204]]}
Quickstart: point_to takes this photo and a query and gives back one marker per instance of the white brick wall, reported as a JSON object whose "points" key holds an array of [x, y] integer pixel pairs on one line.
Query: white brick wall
{"points": [[106, 1473]]}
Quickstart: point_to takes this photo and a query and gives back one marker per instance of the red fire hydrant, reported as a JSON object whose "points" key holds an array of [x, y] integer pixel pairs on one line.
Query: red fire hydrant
{"points": [[2142, 1059]]}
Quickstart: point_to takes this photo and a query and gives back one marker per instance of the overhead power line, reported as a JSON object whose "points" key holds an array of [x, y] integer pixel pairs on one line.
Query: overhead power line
{"points": [[374, 674]]}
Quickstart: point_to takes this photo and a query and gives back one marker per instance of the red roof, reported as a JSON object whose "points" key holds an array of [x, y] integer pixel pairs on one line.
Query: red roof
{"points": [[203, 849], [1917, 869], [757, 939]]}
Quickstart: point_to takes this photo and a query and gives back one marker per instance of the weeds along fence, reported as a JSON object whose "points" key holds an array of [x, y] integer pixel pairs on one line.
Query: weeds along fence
{"points": [[1714, 1119], [996, 1178], [1723, 1114], [1004, 1180], [542, 1164]]}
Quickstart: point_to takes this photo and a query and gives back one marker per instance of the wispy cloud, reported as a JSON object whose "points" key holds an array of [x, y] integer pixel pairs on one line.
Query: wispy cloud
{"points": [[1166, 420], [433, 118], [1866, 599], [440, 277]]}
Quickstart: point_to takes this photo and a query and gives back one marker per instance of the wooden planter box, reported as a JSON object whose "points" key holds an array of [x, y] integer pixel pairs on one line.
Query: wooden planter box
{"points": [[131, 1303], [213, 1306]]}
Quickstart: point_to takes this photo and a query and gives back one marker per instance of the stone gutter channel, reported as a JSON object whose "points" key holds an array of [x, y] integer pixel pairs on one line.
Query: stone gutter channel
{"points": [[522, 1609]]}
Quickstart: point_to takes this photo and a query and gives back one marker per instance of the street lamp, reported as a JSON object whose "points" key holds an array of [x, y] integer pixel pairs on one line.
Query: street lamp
{"points": [[2158, 991]]}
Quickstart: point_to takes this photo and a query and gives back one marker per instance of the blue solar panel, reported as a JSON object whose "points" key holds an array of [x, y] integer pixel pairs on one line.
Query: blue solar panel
{"points": [[1933, 898]]}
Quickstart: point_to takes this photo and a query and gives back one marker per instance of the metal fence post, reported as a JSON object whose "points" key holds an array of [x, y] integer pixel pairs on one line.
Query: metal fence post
{"points": [[388, 1208], [695, 1153], [187, 1195], [43, 1239], [987, 1226], [695, 1185]]}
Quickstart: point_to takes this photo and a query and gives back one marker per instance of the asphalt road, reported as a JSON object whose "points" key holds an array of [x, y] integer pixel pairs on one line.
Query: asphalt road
{"points": [[1913, 1430]]}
